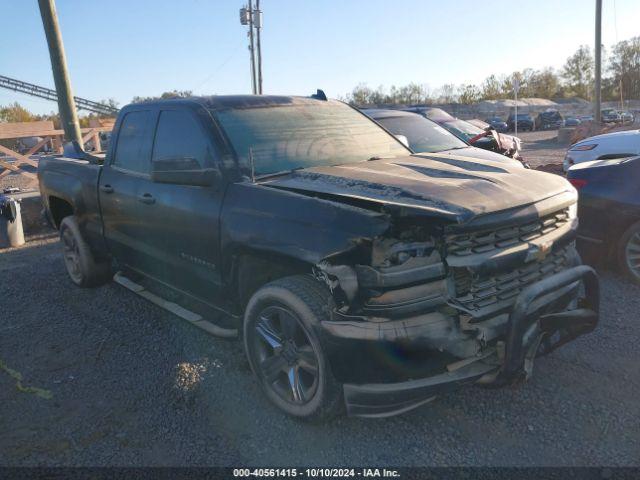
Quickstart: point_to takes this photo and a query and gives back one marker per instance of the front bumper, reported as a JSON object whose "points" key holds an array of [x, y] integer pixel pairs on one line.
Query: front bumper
{"points": [[528, 334]]}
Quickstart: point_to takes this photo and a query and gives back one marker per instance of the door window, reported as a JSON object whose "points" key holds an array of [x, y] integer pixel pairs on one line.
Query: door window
{"points": [[134, 142], [179, 135]]}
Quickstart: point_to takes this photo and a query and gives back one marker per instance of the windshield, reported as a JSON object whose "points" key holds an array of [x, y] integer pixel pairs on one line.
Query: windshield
{"points": [[423, 135], [552, 115], [463, 129], [301, 135]]}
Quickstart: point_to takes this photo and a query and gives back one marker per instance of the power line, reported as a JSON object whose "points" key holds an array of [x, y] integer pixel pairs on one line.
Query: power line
{"points": [[217, 69]]}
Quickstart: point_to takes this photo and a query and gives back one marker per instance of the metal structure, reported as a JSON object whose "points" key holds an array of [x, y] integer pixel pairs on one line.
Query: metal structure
{"points": [[50, 94], [252, 17]]}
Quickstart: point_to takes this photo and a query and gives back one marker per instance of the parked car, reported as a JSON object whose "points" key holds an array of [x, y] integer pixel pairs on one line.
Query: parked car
{"points": [[426, 136], [609, 211], [498, 124], [607, 146], [572, 122], [460, 128], [478, 123], [610, 115], [356, 273], [627, 117], [525, 122], [549, 120], [465, 131], [585, 118]]}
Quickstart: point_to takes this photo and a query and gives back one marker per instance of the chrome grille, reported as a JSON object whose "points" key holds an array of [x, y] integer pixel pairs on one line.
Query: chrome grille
{"points": [[475, 293], [488, 240]]}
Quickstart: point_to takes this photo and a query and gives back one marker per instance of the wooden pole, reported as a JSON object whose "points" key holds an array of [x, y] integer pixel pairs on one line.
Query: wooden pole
{"points": [[66, 103]]}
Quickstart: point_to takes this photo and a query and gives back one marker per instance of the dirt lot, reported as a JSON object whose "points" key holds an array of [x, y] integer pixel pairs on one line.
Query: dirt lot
{"points": [[110, 379], [541, 148]]}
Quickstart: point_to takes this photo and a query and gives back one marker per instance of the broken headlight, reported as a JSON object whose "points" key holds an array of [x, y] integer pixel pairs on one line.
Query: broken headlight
{"points": [[392, 252]]}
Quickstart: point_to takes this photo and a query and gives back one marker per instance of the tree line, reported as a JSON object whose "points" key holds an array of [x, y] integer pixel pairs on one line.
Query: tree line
{"points": [[621, 77]]}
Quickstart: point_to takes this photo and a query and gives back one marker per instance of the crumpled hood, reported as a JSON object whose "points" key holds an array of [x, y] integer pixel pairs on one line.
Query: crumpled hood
{"points": [[444, 186]]}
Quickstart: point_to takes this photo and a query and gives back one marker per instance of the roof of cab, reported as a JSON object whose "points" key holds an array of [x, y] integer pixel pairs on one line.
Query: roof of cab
{"points": [[223, 102]]}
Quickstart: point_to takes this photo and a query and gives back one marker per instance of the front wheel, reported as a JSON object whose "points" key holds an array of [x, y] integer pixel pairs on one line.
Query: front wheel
{"points": [[629, 252], [284, 350]]}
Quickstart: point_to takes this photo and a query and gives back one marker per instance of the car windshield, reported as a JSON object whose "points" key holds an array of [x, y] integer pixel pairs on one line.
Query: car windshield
{"points": [[551, 115], [463, 129], [423, 135], [305, 134]]}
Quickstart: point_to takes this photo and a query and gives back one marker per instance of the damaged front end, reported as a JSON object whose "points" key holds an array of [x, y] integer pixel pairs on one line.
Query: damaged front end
{"points": [[441, 304]]}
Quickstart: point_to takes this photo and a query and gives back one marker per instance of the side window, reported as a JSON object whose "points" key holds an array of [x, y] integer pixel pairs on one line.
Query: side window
{"points": [[134, 142], [180, 136]]}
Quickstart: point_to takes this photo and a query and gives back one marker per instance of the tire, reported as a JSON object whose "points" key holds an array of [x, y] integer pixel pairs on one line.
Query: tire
{"points": [[284, 350], [81, 267], [629, 252]]}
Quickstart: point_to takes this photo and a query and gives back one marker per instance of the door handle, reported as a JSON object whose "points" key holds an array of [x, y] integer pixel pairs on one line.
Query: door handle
{"points": [[146, 198], [106, 188]]}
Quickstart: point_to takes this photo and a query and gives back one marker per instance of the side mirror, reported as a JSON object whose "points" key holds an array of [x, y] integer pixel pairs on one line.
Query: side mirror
{"points": [[403, 140], [182, 171]]}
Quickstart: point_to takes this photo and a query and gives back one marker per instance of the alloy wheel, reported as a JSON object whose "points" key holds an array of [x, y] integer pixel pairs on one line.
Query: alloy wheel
{"points": [[632, 254], [285, 357], [71, 255]]}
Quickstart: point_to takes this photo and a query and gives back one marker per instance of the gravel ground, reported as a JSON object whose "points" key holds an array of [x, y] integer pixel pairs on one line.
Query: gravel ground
{"points": [[18, 181], [132, 385], [541, 148]]}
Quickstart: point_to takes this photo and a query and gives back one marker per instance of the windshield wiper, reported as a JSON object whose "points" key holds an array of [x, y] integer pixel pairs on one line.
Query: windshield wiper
{"points": [[276, 174], [379, 157]]}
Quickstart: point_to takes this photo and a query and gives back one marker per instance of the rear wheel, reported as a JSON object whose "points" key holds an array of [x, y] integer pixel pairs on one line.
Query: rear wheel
{"points": [[629, 252], [82, 268], [284, 350]]}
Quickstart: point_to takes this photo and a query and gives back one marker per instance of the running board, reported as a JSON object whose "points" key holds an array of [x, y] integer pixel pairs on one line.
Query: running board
{"points": [[191, 317]]}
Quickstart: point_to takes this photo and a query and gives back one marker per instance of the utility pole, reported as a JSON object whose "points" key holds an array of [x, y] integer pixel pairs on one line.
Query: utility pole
{"points": [[253, 19], [66, 103], [597, 98], [254, 83], [258, 25]]}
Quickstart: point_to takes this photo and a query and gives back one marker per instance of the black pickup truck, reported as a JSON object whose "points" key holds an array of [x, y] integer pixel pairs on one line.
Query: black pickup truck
{"points": [[357, 273]]}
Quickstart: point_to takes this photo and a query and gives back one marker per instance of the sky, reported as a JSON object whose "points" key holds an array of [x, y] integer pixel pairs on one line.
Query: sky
{"points": [[119, 49]]}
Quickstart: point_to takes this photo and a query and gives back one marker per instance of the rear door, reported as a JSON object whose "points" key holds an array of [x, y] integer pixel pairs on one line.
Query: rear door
{"points": [[119, 184], [182, 221]]}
